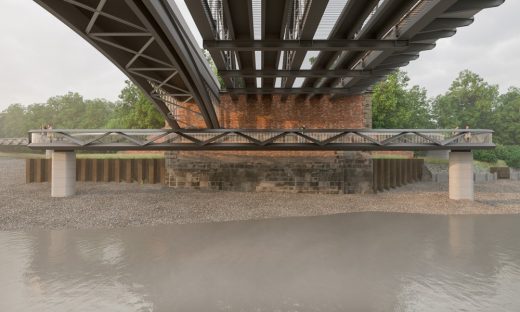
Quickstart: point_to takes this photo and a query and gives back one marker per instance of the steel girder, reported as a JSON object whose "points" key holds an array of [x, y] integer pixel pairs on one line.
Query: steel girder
{"points": [[424, 22], [311, 19], [273, 73], [315, 45], [267, 139], [419, 23], [150, 43]]}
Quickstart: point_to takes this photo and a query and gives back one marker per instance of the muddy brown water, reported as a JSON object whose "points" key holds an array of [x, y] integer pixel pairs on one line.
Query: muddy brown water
{"points": [[358, 262]]}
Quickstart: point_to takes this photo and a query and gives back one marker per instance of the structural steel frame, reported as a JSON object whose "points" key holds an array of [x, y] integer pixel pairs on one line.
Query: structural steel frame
{"points": [[368, 35], [259, 46], [263, 139], [150, 42]]}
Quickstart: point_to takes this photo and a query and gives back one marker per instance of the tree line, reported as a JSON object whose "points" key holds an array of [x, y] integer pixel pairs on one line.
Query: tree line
{"points": [[133, 110], [470, 101]]}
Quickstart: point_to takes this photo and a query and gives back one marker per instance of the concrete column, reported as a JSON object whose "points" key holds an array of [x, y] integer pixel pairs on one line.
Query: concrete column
{"points": [[461, 175], [63, 174]]}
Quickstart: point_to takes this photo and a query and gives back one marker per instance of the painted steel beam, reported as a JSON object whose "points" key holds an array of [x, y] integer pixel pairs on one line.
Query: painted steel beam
{"points": [[138, 35], [311, 45], [273, 73], [471, 5], [297, 91], [311, 21], [409, 25], [239, 14], [348, 26], [275, 16], [207, 29]]}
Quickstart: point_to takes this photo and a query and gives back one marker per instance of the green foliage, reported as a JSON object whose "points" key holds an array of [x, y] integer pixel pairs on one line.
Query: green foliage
{"points": [[65, 111], [396, 105], [510, 154], [506, 118], [135, 111], [13, 122], [489, 156], [213, 67], [469, 102], [71, 111]]}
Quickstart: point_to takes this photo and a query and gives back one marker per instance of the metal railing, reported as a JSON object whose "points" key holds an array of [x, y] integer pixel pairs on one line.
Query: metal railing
{"points": [[13, 141], [262, 139]]}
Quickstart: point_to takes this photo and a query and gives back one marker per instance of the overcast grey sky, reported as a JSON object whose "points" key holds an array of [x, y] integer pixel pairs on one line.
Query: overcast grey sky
{"points": [[41, 57]]}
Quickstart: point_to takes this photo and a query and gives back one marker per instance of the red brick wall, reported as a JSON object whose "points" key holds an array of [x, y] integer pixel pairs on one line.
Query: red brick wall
{"points": [[270, 112], [263, 112]]}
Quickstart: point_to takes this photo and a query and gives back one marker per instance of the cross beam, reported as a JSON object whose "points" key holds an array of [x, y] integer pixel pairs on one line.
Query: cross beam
{"points": [[312, 45], [264, 139], [303, 90], [273, 73]]}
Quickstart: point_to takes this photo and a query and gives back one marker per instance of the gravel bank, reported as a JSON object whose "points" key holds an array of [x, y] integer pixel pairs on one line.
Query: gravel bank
{"points": [[24, 206]]}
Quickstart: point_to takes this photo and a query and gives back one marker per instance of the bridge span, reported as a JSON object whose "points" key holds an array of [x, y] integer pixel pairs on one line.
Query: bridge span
{"points": [[65, 142], [286, 66]]}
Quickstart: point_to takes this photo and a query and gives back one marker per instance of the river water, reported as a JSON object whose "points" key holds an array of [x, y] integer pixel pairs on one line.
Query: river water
{"points": [[361, 262]]}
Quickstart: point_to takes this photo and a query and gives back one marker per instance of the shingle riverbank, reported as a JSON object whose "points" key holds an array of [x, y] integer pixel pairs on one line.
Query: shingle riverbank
{"points": [[24, 206]]}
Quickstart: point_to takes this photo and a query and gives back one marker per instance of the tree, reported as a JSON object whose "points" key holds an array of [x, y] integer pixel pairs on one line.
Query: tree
{"points": [[396, 105], [469, 101], [64, 111], [506, 118], [13, 122], [134, 110], [70, 111], [213, 67]]}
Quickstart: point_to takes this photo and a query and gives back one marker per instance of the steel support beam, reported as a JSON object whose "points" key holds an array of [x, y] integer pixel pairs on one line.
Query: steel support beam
{"points": [[150, 43], [296, 91], [273, 73], [312, 45]]}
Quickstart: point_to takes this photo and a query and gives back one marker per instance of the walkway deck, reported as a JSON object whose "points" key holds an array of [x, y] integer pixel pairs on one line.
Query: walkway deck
{"points": [[263, 139]]}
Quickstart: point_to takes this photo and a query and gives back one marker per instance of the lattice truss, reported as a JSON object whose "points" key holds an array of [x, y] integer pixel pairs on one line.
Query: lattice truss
{"points": [[296, 139], [127, 38], [13, 141]]}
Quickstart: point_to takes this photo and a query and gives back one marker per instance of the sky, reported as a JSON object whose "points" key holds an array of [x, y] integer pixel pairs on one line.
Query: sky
{"points": [[41, 57]]}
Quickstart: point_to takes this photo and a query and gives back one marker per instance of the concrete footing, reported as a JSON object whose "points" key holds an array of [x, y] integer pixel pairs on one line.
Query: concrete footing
{"points": [[461, 175], [63, 181]]}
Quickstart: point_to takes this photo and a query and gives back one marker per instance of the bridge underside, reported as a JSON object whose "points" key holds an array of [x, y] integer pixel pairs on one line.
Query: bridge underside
{"points": [[303, 48], [150, 43], [264, 46]]}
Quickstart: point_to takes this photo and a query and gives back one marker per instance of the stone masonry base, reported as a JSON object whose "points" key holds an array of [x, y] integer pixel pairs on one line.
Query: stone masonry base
{"points": [[342, 172]]}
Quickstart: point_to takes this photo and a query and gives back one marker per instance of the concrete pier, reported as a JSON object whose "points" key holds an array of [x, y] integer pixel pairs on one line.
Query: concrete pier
{"points": [[461, 175], [63, 181]]}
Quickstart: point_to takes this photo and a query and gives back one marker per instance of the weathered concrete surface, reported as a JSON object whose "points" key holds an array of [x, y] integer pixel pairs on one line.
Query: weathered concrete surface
{"points": [[63, 177], [461, 176]]}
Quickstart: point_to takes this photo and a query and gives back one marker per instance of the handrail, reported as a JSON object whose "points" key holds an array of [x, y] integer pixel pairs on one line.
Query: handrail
{"points": [[261, 139]]}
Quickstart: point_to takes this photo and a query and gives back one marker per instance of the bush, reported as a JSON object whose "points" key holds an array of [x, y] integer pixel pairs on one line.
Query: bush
{"points": [[489, 156], [510, 154]]}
